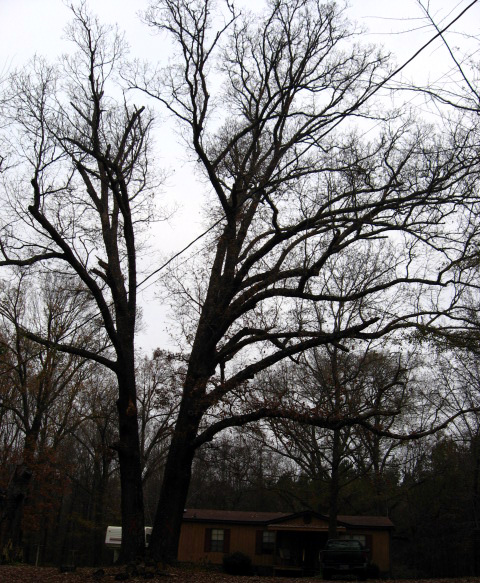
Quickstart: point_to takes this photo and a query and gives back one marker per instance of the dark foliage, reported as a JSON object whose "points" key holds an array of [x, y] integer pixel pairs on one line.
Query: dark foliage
{"points": [[237, 564]]}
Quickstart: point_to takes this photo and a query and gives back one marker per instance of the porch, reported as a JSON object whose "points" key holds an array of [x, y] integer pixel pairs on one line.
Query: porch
{"points": [[298, 552]]}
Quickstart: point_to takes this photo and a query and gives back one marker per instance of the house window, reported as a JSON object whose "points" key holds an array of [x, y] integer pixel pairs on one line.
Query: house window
{"points": [[268, 542], [217, 540], [265, 542]]}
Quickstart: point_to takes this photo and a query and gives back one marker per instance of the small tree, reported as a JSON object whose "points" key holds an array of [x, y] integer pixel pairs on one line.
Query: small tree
{"points": [[40, 388]]}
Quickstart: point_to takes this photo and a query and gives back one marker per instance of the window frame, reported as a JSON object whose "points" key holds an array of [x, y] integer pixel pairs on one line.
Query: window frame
{"points": [[217, 540], [263, 546]]}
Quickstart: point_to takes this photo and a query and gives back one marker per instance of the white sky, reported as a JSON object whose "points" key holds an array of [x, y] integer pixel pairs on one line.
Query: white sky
{"points": [[36, 26]]}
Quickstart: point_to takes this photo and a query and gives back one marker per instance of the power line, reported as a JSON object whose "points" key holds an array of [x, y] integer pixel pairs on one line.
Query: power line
{"points": [[179, 253]]}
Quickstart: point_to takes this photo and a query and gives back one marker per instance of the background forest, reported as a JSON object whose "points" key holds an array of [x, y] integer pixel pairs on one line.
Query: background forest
{"points": [[324, 324], [429, 487]]}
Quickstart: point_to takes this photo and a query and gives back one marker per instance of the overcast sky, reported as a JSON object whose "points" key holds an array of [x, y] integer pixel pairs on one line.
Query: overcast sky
{"points": [[29, 26], [36, 26]]}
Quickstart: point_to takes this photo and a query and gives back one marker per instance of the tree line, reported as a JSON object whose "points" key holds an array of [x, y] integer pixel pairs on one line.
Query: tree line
{"points": [[339, 261], [61, 475]]}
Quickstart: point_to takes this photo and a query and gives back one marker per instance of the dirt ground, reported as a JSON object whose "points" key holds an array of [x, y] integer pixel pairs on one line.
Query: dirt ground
{"points": [[29, 574]]}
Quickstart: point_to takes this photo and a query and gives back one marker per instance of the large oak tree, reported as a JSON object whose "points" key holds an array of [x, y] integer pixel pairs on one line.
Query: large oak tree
{"points": [[267, 105]]}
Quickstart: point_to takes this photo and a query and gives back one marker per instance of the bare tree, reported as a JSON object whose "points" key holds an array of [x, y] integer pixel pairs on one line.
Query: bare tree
{"points": [[159, 382], [293, 196], [41, 387], [342, 385], [460, 88], [93, 465], [85, 148], [341, 381]]}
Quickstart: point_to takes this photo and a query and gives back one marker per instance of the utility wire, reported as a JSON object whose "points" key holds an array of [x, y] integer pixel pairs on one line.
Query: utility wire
{"points": [[179, 253]]}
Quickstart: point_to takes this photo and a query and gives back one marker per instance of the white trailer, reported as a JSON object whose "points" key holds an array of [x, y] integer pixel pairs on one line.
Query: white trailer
{"points": [[113, 539]]}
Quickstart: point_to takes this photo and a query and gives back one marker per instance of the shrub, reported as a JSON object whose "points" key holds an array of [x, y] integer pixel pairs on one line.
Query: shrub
{"points": [[373, 571], [237, 564]]}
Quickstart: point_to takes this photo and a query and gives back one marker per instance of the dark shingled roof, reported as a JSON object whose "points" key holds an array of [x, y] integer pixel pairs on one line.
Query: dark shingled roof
{"points": [[247, 517], [366, 521], [240, 516]]}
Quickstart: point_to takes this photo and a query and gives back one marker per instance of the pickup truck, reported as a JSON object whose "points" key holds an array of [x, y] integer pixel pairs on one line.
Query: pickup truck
{"points": [[341, 556]]}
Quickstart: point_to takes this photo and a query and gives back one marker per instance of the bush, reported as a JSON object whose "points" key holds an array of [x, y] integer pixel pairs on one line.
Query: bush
{"points": [[373, 571], [10, 555], [237, 564]]}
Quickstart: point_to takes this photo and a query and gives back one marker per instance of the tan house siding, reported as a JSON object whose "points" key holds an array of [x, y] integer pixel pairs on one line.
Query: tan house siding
{"points": [[191, 546], [380, 554], [192, 543]]}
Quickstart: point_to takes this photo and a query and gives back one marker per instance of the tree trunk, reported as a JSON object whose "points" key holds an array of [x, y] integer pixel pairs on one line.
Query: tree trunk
{"points": [[12, 512], [133, 526], [176, 481], [474, 452], [336, 453], [334, 486], [11, 508], [178, 468], [98, 517]]}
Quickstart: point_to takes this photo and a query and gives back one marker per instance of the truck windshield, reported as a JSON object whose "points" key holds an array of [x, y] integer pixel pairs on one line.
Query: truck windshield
{"points": [[343, 544]]}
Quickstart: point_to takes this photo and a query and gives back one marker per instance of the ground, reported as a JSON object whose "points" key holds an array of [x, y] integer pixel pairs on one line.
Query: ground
{"points": [[29, 574]]}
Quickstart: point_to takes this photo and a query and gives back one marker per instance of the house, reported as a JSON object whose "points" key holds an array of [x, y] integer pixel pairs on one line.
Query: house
{"points": [[275, 541]]}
